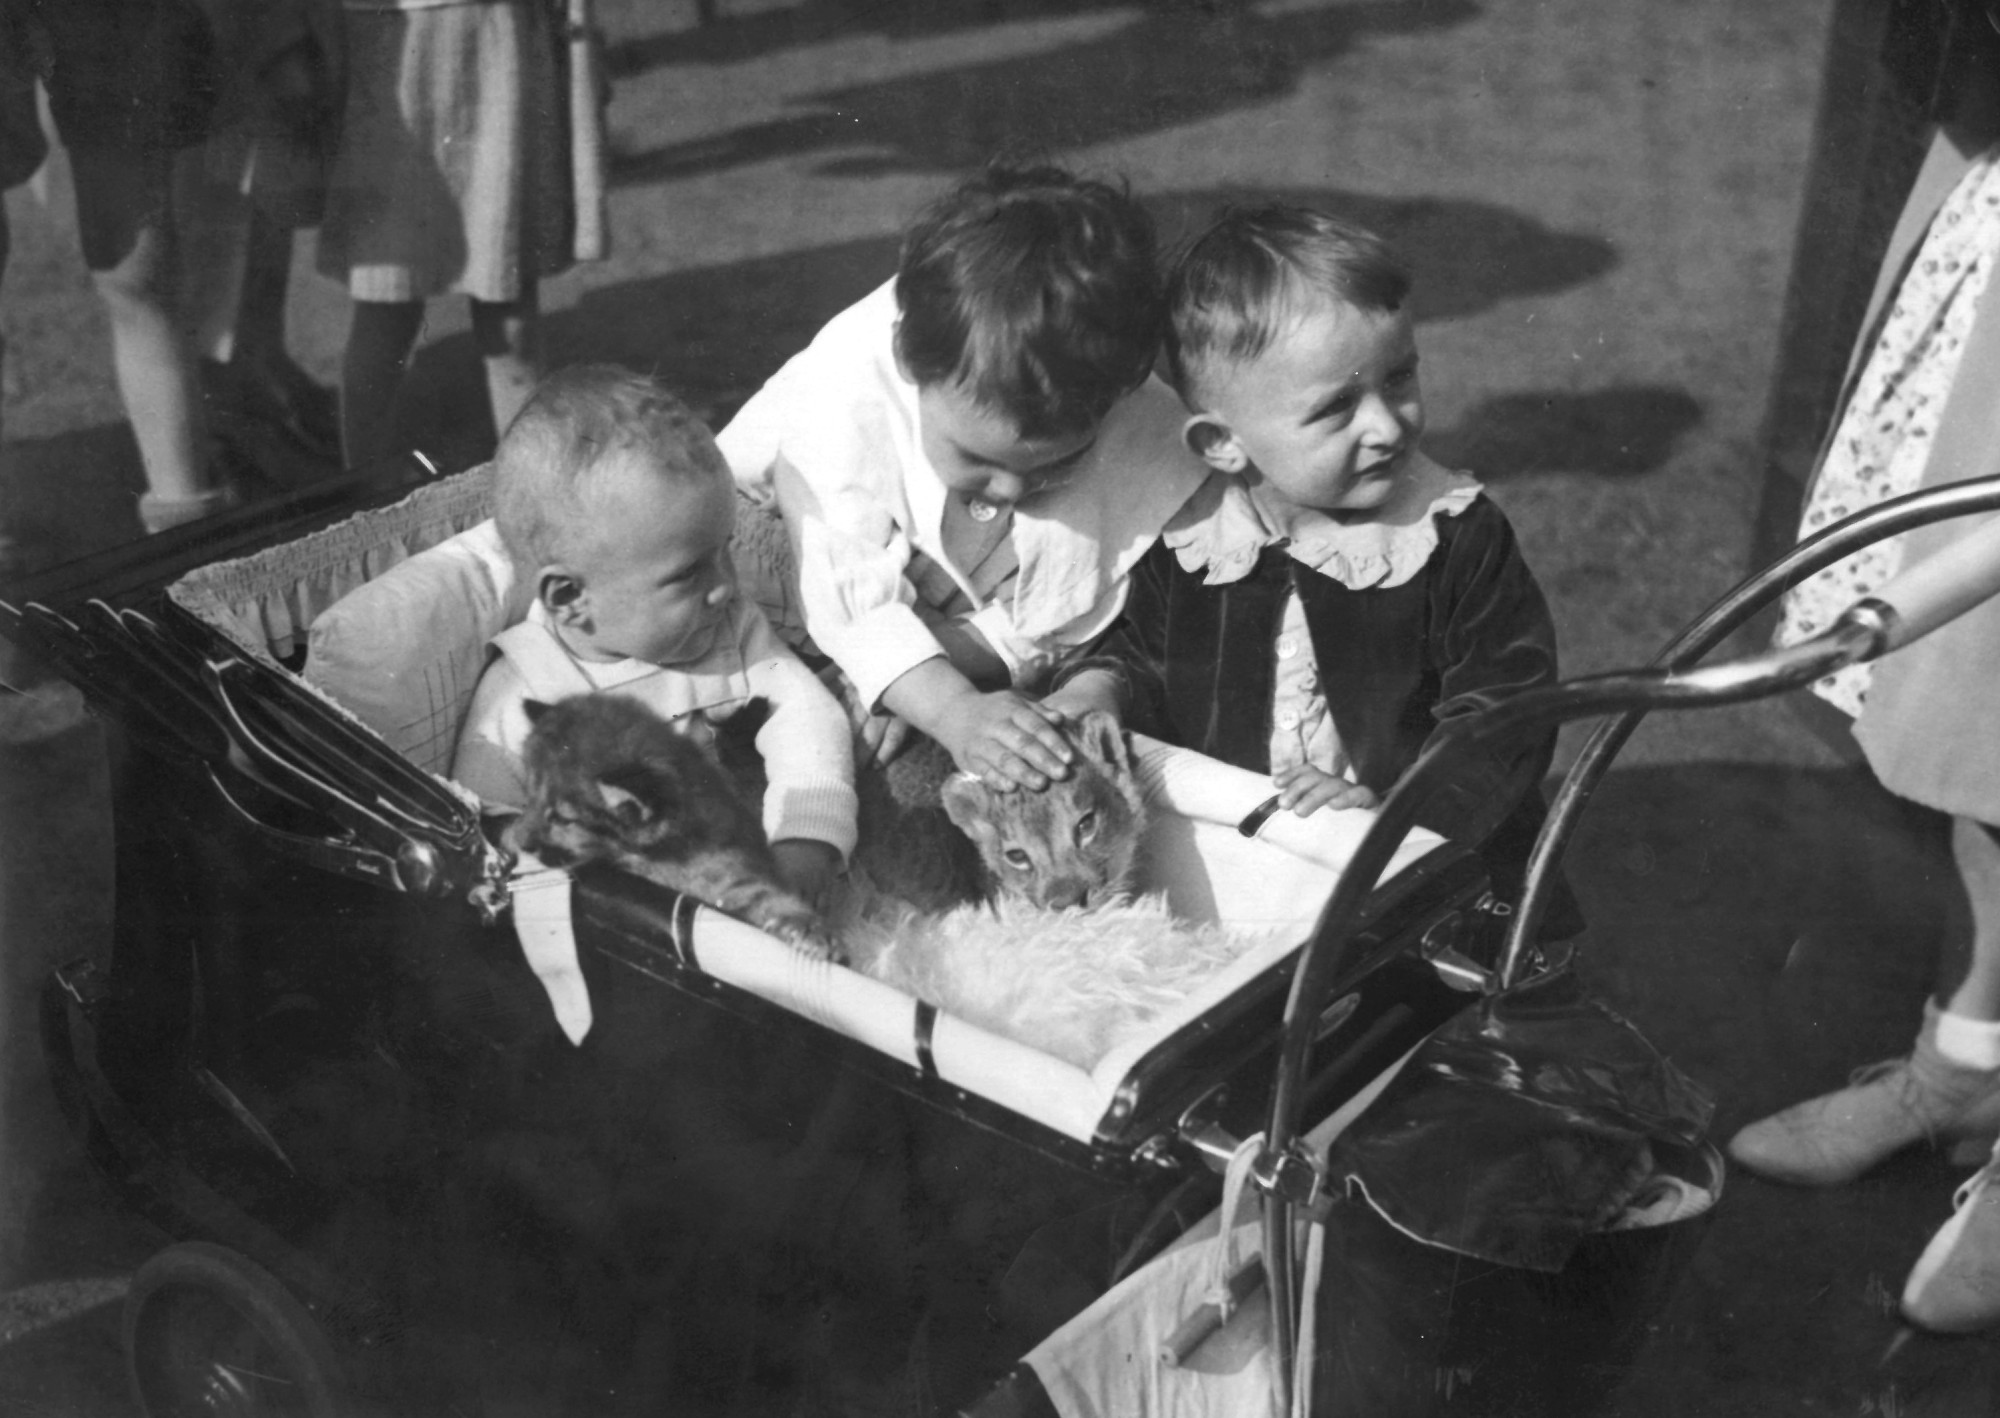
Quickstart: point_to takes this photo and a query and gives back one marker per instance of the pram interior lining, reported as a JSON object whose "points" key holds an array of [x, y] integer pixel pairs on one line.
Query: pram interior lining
{"points": [[266, 603]]}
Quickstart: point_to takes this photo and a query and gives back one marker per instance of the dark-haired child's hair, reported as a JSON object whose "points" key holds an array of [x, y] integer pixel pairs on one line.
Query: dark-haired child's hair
{"points": [[1035, 291], [574, 425], [1236, 285]]}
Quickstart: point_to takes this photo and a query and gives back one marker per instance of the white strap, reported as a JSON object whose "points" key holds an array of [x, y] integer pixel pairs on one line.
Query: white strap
{"points": [[1233, 1179], [541, 904], [1305, 1345]]}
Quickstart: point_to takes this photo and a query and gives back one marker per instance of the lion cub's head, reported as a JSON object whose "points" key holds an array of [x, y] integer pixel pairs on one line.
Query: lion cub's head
{"points": [[1075, 843]]}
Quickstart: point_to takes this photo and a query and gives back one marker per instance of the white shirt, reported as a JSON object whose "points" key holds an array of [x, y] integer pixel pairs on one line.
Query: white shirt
{"points": [[1302, 728], [860, 499], [806, 744]]}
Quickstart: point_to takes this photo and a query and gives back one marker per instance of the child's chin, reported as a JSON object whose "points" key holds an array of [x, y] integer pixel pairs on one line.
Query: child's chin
{"points": [[1369, 495], [691, 650]]}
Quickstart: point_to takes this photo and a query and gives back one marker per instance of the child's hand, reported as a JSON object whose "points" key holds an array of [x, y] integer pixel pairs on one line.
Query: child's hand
{"points": [[1007, 741], [878, 735], [879, 738], [1305, 790], [807, 867]]}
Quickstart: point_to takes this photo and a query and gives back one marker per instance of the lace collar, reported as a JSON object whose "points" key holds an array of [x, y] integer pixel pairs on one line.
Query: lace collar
{"points": [[1221, 530]]}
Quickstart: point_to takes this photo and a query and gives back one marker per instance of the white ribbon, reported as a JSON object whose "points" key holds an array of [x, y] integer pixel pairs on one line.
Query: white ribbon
{"points": [[548, 938]]}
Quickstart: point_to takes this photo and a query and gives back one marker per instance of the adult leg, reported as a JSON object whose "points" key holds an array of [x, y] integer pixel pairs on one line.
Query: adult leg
{"points": [[267, 381], [509, 337], [123, 213], [1977, 853], [380, 336], [1955, 1286], [1951, 1072]]}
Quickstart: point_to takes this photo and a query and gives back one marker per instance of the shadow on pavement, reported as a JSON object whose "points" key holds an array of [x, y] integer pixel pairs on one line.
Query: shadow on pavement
{"points": [[1617, 432], [716, 333], [1159, 71]]}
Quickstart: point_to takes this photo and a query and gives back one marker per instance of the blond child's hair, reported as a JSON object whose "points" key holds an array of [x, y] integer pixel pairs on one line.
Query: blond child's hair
{"points": [[1237, 284], [575, 425]]}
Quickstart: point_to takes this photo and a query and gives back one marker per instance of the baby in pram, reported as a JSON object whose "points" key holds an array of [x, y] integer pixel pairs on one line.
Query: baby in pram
{"points": [[616, 509]]}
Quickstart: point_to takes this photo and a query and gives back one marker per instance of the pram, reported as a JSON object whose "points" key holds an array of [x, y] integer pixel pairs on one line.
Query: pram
{"points": [[311, 1056]]}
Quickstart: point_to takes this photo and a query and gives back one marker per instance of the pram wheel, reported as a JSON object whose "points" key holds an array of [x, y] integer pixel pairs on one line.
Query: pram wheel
{"points": [[210, 1332]]}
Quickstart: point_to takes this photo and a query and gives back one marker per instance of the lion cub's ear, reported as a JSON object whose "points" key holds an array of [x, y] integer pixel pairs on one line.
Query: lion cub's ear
{"points": [[534, 709], [969, 804], [1099, 735]]}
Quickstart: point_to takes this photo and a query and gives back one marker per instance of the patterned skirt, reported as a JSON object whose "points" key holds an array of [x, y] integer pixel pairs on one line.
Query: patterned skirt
{"points": [[1883, 441]]}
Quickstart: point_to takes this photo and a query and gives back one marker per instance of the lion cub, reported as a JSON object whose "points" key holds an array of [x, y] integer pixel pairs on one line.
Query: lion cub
{"points": [[1076, 842], [609, 780]]}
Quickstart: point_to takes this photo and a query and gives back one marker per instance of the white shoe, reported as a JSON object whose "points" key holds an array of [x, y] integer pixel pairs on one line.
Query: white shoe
{"points": [[1955, 1287]]}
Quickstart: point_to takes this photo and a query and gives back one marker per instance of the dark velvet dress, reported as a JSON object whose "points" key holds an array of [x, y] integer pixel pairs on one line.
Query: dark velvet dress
{"points": [[1395, 664]]}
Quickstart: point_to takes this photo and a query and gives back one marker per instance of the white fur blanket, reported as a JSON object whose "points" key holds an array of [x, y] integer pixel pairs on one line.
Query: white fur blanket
{"points": [[1071, 983]]}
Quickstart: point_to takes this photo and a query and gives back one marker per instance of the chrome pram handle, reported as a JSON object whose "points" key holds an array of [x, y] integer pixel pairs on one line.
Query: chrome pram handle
{"points": [[1917, 602], [1923, 597]]}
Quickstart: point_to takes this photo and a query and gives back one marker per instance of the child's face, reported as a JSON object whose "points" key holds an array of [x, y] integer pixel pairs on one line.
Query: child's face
{"points": [[656, 580], [979, 453], [1327, 415]]}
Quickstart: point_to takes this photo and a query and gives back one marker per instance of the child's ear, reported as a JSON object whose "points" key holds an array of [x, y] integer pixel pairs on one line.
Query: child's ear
{"points": [[1216, 444], [560, 593]]}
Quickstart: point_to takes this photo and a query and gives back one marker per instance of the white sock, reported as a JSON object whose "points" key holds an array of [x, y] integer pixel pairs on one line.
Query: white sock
{"points": [[1969, 1043]]}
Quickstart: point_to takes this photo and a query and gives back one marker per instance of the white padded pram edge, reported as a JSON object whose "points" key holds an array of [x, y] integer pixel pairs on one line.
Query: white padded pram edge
{"points": [[1195, 798]]}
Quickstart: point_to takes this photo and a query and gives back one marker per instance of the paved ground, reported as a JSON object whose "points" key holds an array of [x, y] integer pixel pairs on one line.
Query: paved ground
{"points": [[1603, 197]]}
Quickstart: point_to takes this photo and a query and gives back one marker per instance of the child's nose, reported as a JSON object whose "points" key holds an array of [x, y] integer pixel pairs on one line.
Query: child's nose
{"points": [[1383, 421]]}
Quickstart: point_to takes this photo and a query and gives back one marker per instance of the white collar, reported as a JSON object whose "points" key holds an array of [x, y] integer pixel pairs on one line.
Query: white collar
{"points": [[1222, 531]]}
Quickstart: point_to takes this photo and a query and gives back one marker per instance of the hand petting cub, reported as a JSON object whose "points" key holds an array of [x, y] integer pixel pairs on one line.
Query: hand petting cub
{"points": [[1074, 843]]}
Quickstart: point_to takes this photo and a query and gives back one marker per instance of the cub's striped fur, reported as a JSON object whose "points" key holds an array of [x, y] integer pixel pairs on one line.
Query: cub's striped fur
{"points": [[609, 780]]}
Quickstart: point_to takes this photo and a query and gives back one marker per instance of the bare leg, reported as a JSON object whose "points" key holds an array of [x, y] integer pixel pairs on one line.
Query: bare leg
{"points": [[1978, 857], [380, 336], [1944, 1089], [1955, 1285], [509, 336], [128, 241]]}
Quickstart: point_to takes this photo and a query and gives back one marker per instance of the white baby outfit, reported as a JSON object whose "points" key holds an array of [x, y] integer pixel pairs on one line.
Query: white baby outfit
{"points": [[805, 744]]}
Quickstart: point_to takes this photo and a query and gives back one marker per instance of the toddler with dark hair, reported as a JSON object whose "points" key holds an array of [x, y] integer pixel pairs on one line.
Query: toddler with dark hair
{"points": [[970, 461], [1331, 598]]}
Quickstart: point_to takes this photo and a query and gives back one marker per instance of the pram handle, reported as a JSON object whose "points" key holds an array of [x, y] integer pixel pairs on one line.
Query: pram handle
{"points": [[1723, 619], [1917, 602], [1943, 587]]}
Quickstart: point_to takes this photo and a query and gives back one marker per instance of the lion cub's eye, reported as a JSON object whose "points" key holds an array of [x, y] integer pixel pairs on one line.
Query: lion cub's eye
{"points": [[1017, 859], [1086, 827]]}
